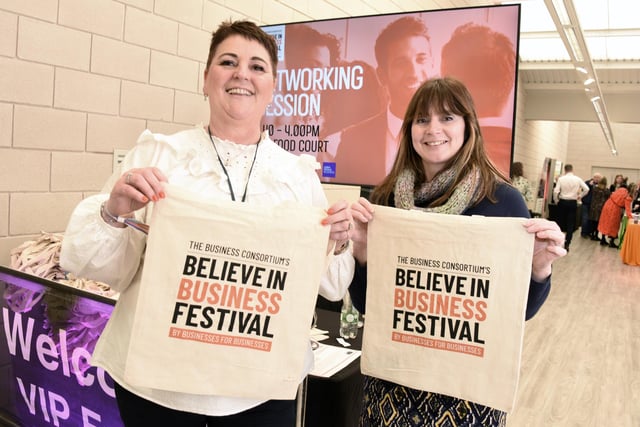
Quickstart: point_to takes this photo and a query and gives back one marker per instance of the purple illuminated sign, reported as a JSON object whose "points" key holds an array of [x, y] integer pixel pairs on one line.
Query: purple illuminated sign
{"points": [[48, 335]]}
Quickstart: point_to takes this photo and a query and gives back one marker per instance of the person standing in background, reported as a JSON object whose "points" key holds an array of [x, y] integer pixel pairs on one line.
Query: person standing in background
{"points": [[616, 206], [627, 213], [521, 183], [598, 198], [567, 193], [617, 182], [611, 216], [367, 149], [635, 202], [585, 227]]}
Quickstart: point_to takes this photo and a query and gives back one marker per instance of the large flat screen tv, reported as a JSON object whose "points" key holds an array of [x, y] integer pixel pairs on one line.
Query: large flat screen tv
{"points": [[343, 84]]}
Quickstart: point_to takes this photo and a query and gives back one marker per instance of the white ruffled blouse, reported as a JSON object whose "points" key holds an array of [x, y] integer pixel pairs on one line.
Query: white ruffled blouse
{"points": [[93, 249]]}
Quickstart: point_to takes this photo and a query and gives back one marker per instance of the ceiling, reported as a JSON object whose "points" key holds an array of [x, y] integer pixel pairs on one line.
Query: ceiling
{"points": [[555, 89]]}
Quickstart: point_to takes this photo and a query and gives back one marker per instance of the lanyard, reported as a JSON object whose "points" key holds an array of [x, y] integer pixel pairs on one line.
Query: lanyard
{"points": [[255, 154]]}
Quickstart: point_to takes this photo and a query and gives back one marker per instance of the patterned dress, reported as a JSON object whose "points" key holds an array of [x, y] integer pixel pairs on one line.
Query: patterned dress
{"points": [[598, 198], [524, 187], [388, 404], [391, 405]]}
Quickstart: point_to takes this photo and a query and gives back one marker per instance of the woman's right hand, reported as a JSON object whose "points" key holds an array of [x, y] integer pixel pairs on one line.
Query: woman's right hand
{"points": [[362, 213], [134, 189]]}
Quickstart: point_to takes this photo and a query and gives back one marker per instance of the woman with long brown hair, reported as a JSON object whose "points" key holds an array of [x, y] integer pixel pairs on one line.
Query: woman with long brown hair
{"points": [[442, 167]]}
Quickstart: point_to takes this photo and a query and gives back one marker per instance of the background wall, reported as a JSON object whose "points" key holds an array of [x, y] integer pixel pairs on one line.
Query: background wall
{"points": [[536, 140], [80, 78]]}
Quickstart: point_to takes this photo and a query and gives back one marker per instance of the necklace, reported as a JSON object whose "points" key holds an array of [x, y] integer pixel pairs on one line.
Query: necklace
{"points": [[255, 154]]}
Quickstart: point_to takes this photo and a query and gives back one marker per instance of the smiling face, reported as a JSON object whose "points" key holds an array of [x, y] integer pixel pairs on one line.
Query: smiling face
{"points": [[436, 138], [239, 81], [407, 66]]}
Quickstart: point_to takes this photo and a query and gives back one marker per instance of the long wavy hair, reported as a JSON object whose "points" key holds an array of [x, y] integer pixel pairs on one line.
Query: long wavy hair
{"points": [[443, 96]]}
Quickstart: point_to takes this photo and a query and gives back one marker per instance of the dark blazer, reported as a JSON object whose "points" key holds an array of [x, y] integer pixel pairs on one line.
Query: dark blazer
{"points": [[360, 156], [497, 143]]}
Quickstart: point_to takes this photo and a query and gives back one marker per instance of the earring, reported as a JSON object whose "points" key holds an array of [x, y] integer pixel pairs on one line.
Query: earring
{"points": [[206, 96]]}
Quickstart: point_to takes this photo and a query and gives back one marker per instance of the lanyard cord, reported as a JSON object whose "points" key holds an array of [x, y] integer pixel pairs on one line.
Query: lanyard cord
{"points": [[255, 154]]}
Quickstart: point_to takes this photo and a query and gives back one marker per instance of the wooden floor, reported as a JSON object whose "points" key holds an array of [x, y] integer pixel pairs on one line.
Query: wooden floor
{"points": [[581, 355]]}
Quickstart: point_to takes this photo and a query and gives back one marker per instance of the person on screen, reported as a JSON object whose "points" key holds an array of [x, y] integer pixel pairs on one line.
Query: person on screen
{"points": [[485, 61], [442, 167], [367, 149], [239, 82], [347, 108], [306, 47]]}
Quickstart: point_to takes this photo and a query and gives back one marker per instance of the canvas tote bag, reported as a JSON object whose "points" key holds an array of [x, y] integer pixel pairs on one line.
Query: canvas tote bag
{"points": [[446, 301], [227, 297]]}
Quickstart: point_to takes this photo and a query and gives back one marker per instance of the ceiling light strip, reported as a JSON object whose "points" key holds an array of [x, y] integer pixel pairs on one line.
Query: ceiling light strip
{"points": [[566, 20]]}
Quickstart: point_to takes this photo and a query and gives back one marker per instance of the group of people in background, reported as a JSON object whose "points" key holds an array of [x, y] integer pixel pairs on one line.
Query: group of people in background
{"points": [[604, 208], [621, 200]]}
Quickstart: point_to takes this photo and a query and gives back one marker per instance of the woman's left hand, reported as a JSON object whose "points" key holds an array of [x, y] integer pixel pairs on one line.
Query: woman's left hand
{"points": [[548, 246], [340, 220]]}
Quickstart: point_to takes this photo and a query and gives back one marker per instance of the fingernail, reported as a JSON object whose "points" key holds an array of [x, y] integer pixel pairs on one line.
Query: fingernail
{"points": [[324, 222], [144, 199], [154, 198], [162, 195]]}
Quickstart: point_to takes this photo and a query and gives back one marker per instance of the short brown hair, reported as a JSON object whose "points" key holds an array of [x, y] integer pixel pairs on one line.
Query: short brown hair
{"points": [[517, 169], [485, 60], [405, 27], [249, 31]]}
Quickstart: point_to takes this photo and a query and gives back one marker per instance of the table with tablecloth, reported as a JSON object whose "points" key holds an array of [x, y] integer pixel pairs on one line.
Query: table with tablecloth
{"points": [[630, 250]]}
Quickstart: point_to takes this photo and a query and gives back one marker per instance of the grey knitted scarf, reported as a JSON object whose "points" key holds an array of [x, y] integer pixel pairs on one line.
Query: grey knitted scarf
{"points": [[465, 194]]}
